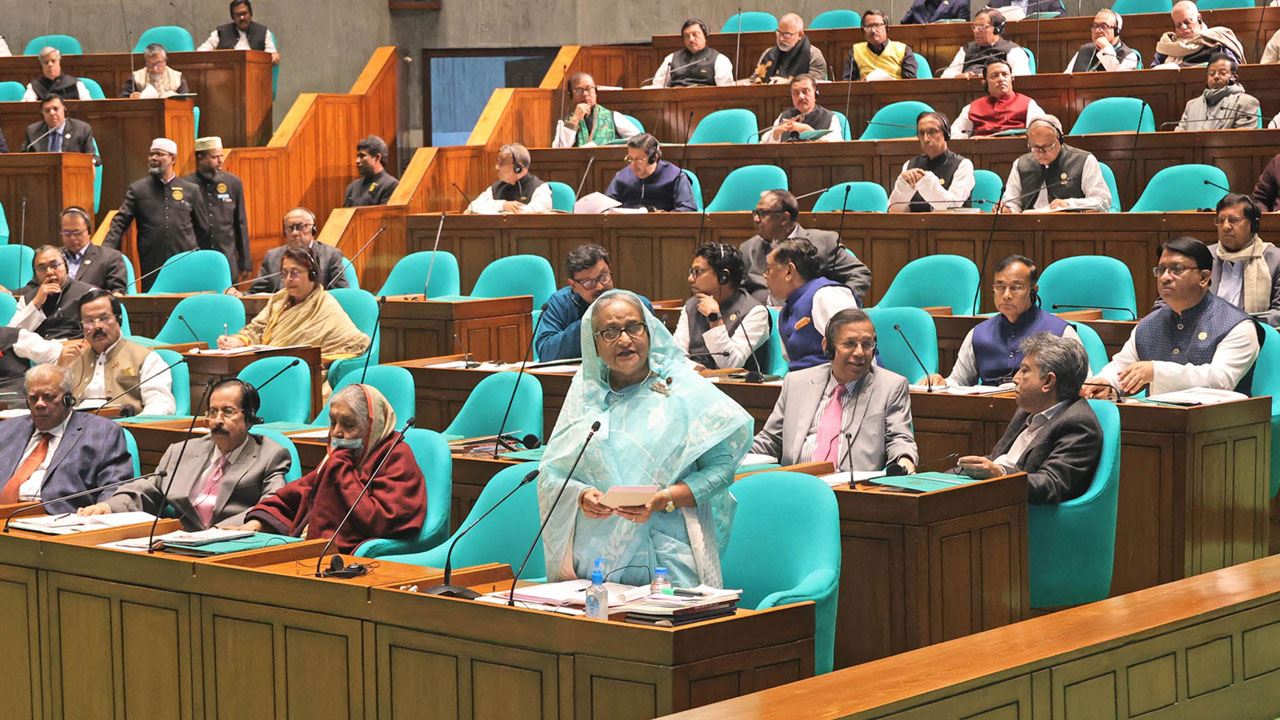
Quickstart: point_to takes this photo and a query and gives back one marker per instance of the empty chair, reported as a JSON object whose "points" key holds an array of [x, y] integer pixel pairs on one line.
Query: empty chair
{"points": [[409, 275], [884, 125], [1114, 114], [935, 281], [431, 451], [15, 265], [785, 548], [482, 412], [734, 125], [862, 197], [517, 275], [288, 396], [181, 377], [742, 187], [835, 19], [1129, 7], [895, 355], [11, 91], [295, 465], [695, 186], [1110, 178], [1182, 187], [193, 271], [209, 315], [95, 90], [65, 44], [923, 71], [362, 308], [563, 197], [1089, 281], [1093, 347], [749, 21], [172, 37], [988, 188]]}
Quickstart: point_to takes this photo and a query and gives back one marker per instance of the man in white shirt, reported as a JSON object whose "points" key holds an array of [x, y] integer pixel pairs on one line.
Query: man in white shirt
{"points": [[988, 45], [793, 272], [47, 316], [1246, 270], [242, 33], [1105, 51], [936, 179], [804, 115], [53, 81], [106, 367], [695, 65], [517, 190], [722, 325], [1057, 176], [1001, 110]]}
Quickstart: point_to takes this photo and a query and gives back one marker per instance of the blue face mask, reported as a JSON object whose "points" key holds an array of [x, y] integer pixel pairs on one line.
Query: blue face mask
{"points": [[338, 443]]}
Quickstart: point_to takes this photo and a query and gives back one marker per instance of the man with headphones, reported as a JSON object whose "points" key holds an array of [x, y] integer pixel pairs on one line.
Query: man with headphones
{"points": [[804, 116], [106, 366], [1224, 105], [1106, 51], [224, 198], [721, 326], [877, 57], [696, 64], [937, 179], [517, 190], [300, 231], [590, 124], [1192, 42], [47, 317], [1054, 176], [1246, 270], [791, 55], [95, 265], [647, 181], [1000, 110], [988, 44], [792, 272], [222, 475]]}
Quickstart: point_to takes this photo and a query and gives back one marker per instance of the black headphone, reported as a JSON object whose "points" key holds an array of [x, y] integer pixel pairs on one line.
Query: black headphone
{"points": [[69, 400], [77, 210], [695, 21], [942, 120], [516, 167], [997, 21], [1254, 214], [727, 264], [313, 273], [1042, 121], [250, 402], [828, 352]]}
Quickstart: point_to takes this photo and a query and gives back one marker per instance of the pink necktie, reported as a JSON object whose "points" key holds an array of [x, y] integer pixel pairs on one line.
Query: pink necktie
{"points": [[209, 498], [828, 446]]}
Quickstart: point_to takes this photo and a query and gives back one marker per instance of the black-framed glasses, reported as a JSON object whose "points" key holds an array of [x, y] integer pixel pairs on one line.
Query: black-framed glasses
{"points": [[696, 272], [1102, 26], [635, 331], [1175, 269], [591, 283], [761, 213]]}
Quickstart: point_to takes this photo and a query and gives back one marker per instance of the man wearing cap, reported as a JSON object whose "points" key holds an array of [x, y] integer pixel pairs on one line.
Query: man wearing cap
{"points": [[1054, 176], [171, 217], [223, 195]]}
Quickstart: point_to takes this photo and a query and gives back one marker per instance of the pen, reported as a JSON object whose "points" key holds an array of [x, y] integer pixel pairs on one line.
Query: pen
{"points": [[686, 593], [224, 328]]}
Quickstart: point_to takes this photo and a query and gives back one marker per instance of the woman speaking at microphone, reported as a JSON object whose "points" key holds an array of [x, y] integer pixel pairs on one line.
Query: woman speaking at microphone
{"points": [[361, 434], [660, 424]]}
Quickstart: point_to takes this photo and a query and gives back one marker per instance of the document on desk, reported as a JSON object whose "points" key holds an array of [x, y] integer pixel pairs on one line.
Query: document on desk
{"points": [[192, 539], [247, 349], [70, 523], [574, 593], [841, 479], [1195, 396]]}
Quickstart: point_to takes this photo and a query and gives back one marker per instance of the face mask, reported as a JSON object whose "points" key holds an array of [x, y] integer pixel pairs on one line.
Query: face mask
{"points": [[345, 443]]}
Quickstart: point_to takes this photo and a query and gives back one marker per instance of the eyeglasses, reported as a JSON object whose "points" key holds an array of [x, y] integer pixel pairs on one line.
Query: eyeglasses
{"points": [[46, 267], [980, 28], [1015, 289], [635, 331], [1042, 148], [642, 160], [299, 227], [1228, 220], [866, 345], [293, 274], [761, 213], [696, 272], [584, 90], [1175, 269], [1102, 26], [226, 412], [770, 268], [590, 284], [872, 26], [72, 233], [930, 132], [102, 320], [787, 35]]}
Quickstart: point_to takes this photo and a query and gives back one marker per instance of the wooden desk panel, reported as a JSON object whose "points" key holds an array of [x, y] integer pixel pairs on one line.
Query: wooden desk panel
{"points": [[206, 368], [49, 182]]}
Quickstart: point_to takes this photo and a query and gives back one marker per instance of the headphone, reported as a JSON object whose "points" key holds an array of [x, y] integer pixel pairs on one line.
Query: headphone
{"points": [[249, 399], [699, 23], [1004, 62], [69, 400], [1044, 120], [311, 272], [828, 352], [1252, 212], [997, 21], [727, 264], [315, 226], [942, 120], [77, 210]]}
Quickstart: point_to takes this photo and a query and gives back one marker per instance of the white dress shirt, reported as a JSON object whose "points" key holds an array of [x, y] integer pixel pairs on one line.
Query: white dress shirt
{"points": [[723, 69], [938, 197], [1231, 361], [963, 126], [157, 385], [4, 48], [486, 204], [836, 134], [81, 91], [566, 137], [30, 490], [827, 302], [1019, 64], [1035, 424], [242, 42], [1107, 58], [965, 371], [729, 352], [29, 345], [1097, 196]]}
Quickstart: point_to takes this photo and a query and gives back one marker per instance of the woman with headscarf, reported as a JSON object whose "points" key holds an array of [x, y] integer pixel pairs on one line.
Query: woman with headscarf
{"points": [[361, 434], [660, 424]]}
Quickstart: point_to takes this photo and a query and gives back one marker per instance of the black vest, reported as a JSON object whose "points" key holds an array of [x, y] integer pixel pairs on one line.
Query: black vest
{"points": [[1062, 179], [944, 167], [819, 118], [61, 311], [229, 35], [520, 192], [733, 311], [691, 69], [1087, 59], [976, 57]]}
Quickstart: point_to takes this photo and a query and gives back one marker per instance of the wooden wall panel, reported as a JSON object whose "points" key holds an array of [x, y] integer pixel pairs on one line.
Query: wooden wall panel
{"points": [[20, 644], [48, 182]]}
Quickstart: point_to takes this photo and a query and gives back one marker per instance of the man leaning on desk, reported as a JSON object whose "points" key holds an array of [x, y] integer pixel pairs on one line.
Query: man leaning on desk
{"points": [[560, 327]]}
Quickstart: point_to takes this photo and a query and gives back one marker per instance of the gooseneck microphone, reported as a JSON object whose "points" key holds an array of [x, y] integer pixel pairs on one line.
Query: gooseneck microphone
{"points": [[279, 372], [137, 385], [195, 415], [914, 355], [467, 363], [27, 146], [194, 336], [377, 324], [648, 80], [250, 281], [432, 265], [25, 508], [590, 161], [516, 385], [1214, 184], [465, 202], [355, 257], [986, 249]]}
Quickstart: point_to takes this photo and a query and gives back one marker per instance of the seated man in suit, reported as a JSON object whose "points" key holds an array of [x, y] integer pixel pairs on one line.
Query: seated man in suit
{"points": [[48, 314], [1246, 270], [300, 231], [95, 265], [1054, 437], [804, 115], [775, 218], [53, 81], [106, 367], [59, 133], [55, 452], [517, 190], [215, 479], [1196, 339], [811, 301], [560, 326], [721, 326], [1002, 109], [847, 410], [1078, 180]]}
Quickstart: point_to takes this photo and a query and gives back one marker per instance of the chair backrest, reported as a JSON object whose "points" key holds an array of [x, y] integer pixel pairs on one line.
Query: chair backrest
{"points": [[894, 352], [131, 444], [1182, 187], [750, 21], [1130, 7], [8, 306], [15, 265], [409, 275], [288, 397], [65, 44], [923, 71], [4, 227], [349, 272], [295, 465], [1114, 114], [362, 307], [97, 177], [786, 534], [639, 125], [742, 187], [988, 188], [172, 37], [517, 275], [695, 186], [193, 271], [846, 132], [1110, 178], [562, 196], [208, 314], [395, 383], [884, 124], [862, 197], [124, 321], [733, 125], [935, 281], [181, 377], [95, 90], [835, 19], [431, 451], [1266, 381], [1031, 59], [130, 276], [774, 361], [11, 91], [1224, 4], [1093, 347], [482, 412], [1089, 280]]}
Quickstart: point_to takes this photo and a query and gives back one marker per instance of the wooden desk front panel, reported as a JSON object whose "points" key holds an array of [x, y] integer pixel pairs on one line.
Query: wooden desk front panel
{"points": [[20, 643], [49, 182]]}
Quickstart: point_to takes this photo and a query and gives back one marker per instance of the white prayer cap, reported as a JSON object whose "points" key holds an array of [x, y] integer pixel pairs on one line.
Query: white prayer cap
{"points": [[166, 145], [213, 142]]}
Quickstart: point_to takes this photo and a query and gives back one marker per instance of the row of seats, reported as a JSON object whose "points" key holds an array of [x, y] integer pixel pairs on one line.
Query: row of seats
{"points": [[172, 37]]}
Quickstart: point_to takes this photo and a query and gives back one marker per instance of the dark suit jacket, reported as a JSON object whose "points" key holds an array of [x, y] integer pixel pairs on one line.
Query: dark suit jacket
{"points": [[837, 263], [329, 268], [102, 267], [77, 136], [91, 454], [1061, 463]]}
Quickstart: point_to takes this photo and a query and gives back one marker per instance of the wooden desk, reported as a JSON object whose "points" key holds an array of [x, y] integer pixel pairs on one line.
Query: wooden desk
{"points": [[216, 367], [49, 182]]}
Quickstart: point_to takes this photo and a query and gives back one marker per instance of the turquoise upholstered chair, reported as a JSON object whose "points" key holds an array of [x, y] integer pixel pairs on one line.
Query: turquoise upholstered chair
{"points": [[209, 315], [193, 271], [563, 198], [65, 44], [1089, 280], [172, 37], [862, 197], [836, 19], [785, 548], [695, 186], [394, 382], [1093, 347], [775, 362], [894, 353], [742, 187], [895, 120], [1110, 178], [362, 308], [288, 397], [409, 275], [1071, 545], [131, 445], [181, 377], [295, 465], [11, 91], [349, 272], [1114, 114], [517, 275], [1130, 7], [1224, 4], [988, 188], [1182, 187], [8, 306], [845, 130], [15, 265], [733, 125], [95, 90], [935, 281], [97, 178], [4, 227], [1031, 59], [1266, 381], [750, 21], [482, 412], [923, 71], [431, 451]]}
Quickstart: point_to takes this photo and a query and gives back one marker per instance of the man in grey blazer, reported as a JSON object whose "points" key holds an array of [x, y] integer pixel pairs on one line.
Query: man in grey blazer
{"points": [[300, 231], [220, 476], [1054, 436], [847, 410], [95, 265]]}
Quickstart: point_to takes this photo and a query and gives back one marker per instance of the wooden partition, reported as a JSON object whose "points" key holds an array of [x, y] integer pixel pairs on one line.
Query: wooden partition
{"points": [[48, 182]]}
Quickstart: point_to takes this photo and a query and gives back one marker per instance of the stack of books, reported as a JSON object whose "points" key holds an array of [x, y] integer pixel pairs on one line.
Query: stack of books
{"points": [[688, 606]]}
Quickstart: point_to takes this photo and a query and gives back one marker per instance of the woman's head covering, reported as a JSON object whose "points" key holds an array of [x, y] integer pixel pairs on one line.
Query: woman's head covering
{"points": [[665, 357], [373, 411]]}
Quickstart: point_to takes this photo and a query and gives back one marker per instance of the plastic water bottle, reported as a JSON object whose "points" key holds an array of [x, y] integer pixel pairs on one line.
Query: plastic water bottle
{"points": [[597, 595], [661, 582]]}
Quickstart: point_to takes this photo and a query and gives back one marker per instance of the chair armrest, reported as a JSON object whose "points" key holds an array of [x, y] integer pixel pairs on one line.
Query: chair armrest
{"points": [[813, 588], [380, 547]]}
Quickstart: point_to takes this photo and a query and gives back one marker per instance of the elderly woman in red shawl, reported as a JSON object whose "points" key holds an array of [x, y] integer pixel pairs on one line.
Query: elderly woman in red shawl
{"points": [[361, 433]]}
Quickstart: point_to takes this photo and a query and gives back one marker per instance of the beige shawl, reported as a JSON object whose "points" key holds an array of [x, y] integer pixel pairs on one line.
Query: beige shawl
{"points": [[1176, 48], [167, 84], [317, 320], [1257, 276]]}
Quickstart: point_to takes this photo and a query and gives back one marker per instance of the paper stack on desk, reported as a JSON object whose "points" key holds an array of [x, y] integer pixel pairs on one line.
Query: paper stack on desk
{"points": [[70, 523]]}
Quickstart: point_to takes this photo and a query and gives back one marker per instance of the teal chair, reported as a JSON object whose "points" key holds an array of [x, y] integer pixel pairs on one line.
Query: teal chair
{"points": [[895, 120], [431, 451], [124, 321], [845, 130], [695, 186], [1224, 4], [130, 276], [785, 548], [1130, 7], [639, 125], [295, 465], [517, 275], [894, 353], [742, 187], [988, 188], [131, 445], [1114, 114], [65, 44], [97, 178], [503, 537], [1031, 59], [482, 412], [193, 271], [349, 271], [11, 91], [8, 306], [1182, 187], [750, 21], [172, 37], [1089, 280], [208, 314], [288, 397], [1266, 381], [1071, 545], [775, 363], [95, 90], [409, 275], [362, 307], [181, 377], [1110, 178], [1093, 347], [4, 227], [862, 197], [733, 125], [563, 197], [935, 281], [394, 382], [923, 71], [836, 19], [16, 271]]}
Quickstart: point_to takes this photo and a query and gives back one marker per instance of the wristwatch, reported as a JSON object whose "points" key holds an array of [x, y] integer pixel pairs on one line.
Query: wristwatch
{"points": [[671, 503], [713, 317]]}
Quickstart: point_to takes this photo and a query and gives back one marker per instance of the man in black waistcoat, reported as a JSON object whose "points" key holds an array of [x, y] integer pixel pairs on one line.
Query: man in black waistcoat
{"points": [[722, 326], [1105, 51], [696, 64], [48, 313], [988, 44], [517, 190], [936, 179], [1054, 176], [223, 195], [804, 115], [375, 184], [791, 55], [242, 33]]}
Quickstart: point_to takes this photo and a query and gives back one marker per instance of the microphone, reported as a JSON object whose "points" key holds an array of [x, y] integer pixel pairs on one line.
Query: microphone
{"points": [[671, 70], [1095, 307], [758, 376], [432, 265], [250, 281], [516, 386], [889, 124], [1214, 184], [511, 596], [986, 250], [758, 133], [848, 454], [278, 373], [188, 325], [590, 161], [975, 201], [355, 257], [14, 513], [1229, 111], [466, 356], [1133, 150], [195, 414], [377, 325], [844, 207], [335, 566], [737, 50], [445, 589], [555, 127], [27, 147], [465, 202], [124, 20], [914, 355], [140, 383]]}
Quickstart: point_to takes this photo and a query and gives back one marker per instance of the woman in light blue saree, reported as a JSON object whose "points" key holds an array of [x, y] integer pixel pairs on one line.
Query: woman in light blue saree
{"points": [[660, 424]]}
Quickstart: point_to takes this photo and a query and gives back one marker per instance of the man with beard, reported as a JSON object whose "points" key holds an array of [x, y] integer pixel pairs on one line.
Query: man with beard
{"points": [[1224, 105], [804, 115], [104, 366], [559, 334], [223, 195], [792, 55], [47, 314], [171, 218], [157, 76], [696, 64], [53, 82], [375, 184]]}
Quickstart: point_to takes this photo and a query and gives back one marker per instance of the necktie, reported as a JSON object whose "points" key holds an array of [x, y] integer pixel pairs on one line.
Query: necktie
{"points": [[28, 466], [55, 141], [828, 445], [209, 498]]}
